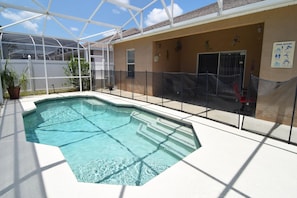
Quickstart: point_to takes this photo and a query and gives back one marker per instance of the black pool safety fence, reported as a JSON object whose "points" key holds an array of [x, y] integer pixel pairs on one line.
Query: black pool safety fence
{"points": [[257, 105]]}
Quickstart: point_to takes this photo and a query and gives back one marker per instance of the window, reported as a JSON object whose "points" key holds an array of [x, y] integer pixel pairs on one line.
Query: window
{"points": [[131, 62]]}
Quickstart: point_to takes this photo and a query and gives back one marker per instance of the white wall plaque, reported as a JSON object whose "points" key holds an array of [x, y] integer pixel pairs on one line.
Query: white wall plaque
{"points": [[283, 54]]}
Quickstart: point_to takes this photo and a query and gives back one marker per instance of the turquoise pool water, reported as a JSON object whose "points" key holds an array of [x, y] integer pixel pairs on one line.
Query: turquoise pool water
{"points": [[107, 144]]}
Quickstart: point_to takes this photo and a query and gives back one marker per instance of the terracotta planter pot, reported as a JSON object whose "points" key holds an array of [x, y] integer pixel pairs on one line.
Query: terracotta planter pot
{"points": [[14, 92]]}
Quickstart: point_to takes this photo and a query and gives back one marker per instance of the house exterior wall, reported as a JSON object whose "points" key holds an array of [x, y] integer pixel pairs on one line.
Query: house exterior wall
{"points": [[168, 55], [249, 40], [256, 33], [143, 55], [279, 26], [143, 62]]}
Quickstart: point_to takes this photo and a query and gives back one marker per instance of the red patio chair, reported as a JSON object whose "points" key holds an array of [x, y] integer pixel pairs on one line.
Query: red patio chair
{"points": [[242, 98]]}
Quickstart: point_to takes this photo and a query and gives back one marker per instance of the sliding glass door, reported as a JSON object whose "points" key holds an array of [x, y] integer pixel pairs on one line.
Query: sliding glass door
{"points": [[220, 70]]}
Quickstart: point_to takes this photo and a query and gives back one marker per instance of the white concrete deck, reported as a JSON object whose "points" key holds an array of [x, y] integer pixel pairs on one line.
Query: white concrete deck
{"points": [[230, 163]]}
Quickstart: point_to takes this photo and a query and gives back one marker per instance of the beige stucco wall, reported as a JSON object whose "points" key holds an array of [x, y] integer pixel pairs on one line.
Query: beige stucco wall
{"points": [[143, 63], [180, 54], [280, 25], [249, 40], [143, 54], [275, 25]]}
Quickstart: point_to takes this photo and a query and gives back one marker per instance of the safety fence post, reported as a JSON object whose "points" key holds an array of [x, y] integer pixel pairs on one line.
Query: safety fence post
{"points": [[293, 115]]}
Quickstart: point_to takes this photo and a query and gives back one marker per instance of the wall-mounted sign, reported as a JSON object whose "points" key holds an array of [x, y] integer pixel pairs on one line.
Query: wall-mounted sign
{"points": [[283, 54]]}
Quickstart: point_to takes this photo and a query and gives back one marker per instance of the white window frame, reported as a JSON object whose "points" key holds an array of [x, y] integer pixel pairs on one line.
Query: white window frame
{"points": [[130, 74]]}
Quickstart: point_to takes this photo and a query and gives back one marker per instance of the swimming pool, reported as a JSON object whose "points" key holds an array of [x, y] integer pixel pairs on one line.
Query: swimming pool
{"points": [[109, 144]]}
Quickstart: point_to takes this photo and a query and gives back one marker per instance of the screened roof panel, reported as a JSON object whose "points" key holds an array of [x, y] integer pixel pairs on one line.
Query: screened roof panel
{"points": [[20, 46], [51, 41], [16, 38], [83, 20], [67, 43], [37, 40]]}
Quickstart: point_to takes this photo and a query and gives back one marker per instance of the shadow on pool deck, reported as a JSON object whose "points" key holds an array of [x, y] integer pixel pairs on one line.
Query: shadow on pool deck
{"points": [[19, 168]]}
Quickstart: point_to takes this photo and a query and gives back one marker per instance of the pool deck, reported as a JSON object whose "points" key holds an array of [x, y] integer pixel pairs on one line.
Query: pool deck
{"points": [[230, 163]]}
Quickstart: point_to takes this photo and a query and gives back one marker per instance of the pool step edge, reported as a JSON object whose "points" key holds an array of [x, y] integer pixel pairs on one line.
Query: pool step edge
{"points": [[167, 143]]}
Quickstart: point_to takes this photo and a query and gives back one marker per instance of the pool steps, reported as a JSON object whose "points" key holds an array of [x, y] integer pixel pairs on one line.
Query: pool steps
{"points": [[94, 102], [186, 131], [98, 105], [176, 139], [167, 143]]}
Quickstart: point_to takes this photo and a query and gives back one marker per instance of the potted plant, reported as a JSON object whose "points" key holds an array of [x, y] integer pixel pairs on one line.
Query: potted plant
{"points": [[13, 82]]}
